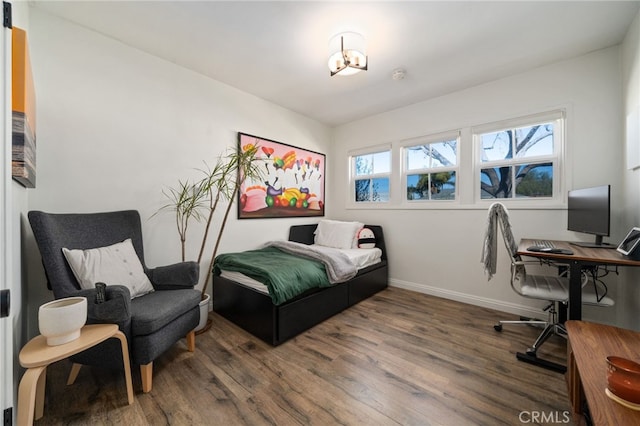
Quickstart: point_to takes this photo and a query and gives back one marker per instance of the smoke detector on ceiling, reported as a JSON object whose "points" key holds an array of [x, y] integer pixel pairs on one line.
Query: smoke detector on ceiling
{"points": [[398, 74]]}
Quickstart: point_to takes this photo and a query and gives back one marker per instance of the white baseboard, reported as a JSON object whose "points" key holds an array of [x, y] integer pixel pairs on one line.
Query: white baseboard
{"points": [[498, 305]]}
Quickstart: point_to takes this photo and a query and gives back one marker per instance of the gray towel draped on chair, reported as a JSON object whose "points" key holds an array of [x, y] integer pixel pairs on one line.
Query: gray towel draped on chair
{"points": [[498, 217]]}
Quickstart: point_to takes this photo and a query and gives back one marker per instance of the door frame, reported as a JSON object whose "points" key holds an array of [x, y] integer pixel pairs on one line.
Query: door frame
{"points": [[6, 227]]}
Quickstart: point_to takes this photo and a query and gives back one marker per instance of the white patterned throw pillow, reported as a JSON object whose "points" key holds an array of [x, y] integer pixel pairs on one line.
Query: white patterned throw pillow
{"points": [[117, 264]]}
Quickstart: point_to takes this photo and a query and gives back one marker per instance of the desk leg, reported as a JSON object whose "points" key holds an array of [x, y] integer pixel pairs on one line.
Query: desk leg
{"points": [[127, 365], [562, 313], [575, 291], [31, 395]]}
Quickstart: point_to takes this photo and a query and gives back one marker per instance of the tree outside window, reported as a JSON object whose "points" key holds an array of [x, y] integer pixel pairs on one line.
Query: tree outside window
{"points": [[371, 180], [521, 162], [430, 170]]}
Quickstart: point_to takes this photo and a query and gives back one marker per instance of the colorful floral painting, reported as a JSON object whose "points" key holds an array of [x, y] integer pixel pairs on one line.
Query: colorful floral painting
{"points": [[292, 184]]}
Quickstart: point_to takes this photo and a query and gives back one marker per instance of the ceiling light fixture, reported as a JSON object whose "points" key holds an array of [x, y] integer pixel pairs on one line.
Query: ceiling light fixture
{"points": [[347, 54]]}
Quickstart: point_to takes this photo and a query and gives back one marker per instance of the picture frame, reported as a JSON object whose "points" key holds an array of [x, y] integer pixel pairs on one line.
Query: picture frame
{"points": [[293, 183], [23, 129]]}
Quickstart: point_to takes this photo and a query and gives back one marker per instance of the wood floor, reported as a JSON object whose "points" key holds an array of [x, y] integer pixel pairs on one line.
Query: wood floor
{"points": [[398, 358]]}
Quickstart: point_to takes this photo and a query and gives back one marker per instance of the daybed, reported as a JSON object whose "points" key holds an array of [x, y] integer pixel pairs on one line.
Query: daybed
{"points": [[255, 312]]}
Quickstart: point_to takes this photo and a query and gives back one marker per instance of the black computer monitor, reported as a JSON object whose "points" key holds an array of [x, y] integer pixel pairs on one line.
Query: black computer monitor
{"points": [[589, 212]]}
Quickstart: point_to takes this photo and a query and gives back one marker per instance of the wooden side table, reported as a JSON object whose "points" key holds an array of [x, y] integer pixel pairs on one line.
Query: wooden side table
{"points": [[36, 355], [588, 348]]}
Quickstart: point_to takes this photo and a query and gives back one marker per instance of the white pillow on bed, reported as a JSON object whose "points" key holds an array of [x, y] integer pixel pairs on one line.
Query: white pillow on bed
{"points": [[337, 234]]}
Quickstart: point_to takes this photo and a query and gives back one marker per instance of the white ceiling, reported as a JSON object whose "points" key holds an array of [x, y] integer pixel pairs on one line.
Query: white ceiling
{"points": [[278, 50]]}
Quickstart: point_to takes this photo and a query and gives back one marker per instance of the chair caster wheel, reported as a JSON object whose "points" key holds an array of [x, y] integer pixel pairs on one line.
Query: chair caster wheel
{"points": [[497, 327]]}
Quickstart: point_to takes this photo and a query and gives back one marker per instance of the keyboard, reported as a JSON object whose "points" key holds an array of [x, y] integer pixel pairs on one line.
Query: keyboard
{"points": [[548, 248], [543, 244]]}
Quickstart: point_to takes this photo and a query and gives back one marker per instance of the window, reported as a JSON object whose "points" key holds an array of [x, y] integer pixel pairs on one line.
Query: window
{"points": [[430, 170], [370, 176], [521, 161]]}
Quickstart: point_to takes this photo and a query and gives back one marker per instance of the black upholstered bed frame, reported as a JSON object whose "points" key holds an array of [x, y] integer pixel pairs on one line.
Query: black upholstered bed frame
{"points": [[255, 312]]}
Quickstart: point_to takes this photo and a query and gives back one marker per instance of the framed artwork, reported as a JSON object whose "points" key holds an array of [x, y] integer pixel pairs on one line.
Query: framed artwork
{"points": [[23, 129], [292, 184]]}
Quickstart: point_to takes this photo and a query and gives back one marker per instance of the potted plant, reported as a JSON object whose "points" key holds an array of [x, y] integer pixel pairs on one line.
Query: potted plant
{"points": [[201, 199]]}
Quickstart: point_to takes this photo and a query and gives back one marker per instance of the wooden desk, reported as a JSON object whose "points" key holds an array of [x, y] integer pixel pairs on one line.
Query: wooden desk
{"points": [[588, 348], [581, 258], [36, 355]]}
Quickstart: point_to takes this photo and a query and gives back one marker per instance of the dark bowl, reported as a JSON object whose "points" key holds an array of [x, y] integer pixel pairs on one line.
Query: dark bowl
{"points": [[623, 378]]}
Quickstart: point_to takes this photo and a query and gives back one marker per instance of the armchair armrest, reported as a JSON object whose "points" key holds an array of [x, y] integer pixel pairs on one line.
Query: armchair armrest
{"points": [[116, 308], [174, 277]]}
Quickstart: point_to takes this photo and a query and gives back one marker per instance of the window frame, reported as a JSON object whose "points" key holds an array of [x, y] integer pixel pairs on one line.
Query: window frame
{"points": [[404, 172], [353, 177], [556, 158], [469, 164]]}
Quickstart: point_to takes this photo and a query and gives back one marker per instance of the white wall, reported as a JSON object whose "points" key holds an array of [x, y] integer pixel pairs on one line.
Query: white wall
{"points": [[438, 251], [116, 126], [631, 101]]}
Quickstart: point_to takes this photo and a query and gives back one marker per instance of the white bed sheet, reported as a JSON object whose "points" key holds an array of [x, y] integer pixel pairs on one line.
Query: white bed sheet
{"points": [[361, 258]]}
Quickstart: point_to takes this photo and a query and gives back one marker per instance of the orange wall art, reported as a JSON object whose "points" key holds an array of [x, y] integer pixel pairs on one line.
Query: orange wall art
{"points": [[23, 164]]}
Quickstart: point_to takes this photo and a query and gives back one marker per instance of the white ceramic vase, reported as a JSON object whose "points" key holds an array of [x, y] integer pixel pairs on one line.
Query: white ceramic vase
{"points": [[60, 321], [204, 312]]}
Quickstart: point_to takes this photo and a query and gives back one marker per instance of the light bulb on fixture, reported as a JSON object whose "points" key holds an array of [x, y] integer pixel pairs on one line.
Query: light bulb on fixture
{"points": [[347, 54]]}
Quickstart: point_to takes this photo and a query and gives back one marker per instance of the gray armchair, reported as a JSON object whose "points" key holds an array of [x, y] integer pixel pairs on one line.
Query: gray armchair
{"points": [[153, 322]]}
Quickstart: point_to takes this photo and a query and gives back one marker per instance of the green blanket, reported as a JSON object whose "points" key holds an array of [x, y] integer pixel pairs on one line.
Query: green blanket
{"points": [[285, 275]]}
